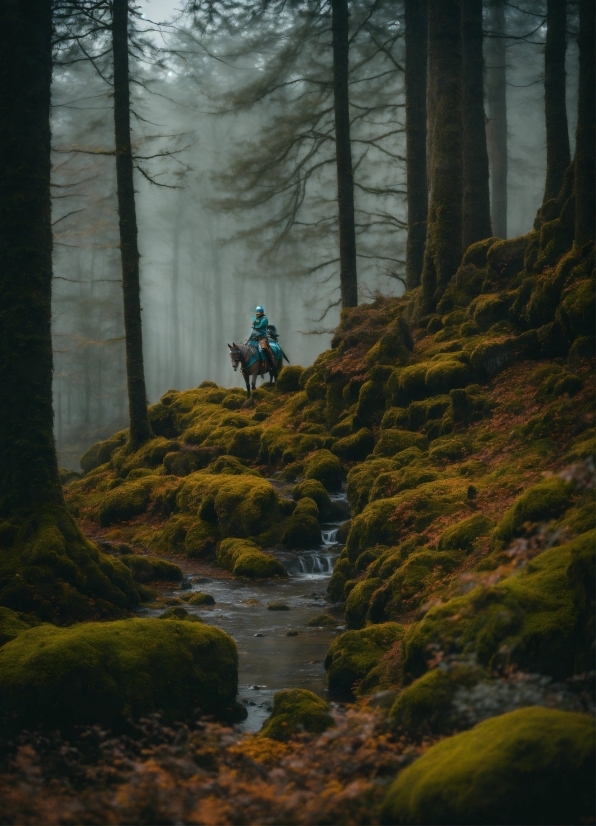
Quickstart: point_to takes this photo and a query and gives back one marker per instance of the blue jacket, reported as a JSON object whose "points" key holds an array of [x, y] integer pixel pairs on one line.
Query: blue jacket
{"points": [[259, 327]]}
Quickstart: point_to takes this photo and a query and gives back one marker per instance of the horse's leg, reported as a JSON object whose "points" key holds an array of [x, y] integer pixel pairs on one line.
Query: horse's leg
{"points": [[247, 383], [254, 379]]}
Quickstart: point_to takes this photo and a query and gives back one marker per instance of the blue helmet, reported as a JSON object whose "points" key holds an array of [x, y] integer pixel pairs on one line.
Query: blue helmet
{"points": [[259, 309]]}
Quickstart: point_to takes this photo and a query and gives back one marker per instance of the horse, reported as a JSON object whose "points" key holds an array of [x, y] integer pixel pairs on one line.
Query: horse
{"points": [[251, 364]]}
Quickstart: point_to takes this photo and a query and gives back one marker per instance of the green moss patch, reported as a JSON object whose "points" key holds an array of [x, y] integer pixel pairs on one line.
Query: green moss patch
{"points": [[199, 598], [296, 710], [354, 654], [151, 568], [546, 500], [245, 559], [534, 765], [325, 468], [302, 530], [463, 534], [101, 673], [394, 441]]}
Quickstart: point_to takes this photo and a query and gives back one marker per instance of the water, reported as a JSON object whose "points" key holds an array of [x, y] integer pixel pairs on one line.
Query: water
{"points": [[269, 659]]}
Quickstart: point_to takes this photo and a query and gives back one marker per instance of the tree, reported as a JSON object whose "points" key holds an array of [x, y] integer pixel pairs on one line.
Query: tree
{"points": [[496, 128], [140, 429], [443, 251], [343, 155], [416, 24], [558, 155], [476, 198], [584, 136]]}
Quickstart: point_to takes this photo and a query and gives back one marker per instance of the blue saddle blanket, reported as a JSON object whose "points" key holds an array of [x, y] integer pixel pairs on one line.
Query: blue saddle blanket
{"points": [[258, 355]]}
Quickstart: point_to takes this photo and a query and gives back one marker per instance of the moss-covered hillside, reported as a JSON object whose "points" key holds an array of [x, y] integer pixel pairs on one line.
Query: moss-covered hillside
{"points": [[464, 441]]}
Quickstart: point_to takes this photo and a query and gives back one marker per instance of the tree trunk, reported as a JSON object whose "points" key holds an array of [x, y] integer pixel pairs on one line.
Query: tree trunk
{"points": [[28, 465], [140, 429], [416, 20], [496, 128], [175, 314], [584, 136], [476, 197], [444, 234], [343, 155], [558, 155]]}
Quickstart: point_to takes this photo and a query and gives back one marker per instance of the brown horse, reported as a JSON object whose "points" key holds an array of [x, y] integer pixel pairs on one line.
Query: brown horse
{"points": [[251, 364]]}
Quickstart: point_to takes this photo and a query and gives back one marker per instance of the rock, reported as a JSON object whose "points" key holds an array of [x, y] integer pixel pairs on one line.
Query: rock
{"points": [[296, 710], [278, 606]]}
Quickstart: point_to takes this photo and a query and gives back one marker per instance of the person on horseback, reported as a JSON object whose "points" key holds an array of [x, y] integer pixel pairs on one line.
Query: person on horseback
{"points": [[259, 333]]}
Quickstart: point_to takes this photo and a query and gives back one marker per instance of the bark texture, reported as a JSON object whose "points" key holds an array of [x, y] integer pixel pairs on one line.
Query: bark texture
{"points": [[416, 20], [558, 155], [444, 233], [140, 429], [343, 154], [496, 129], [28, 466], [476, 195], [584, 139]]}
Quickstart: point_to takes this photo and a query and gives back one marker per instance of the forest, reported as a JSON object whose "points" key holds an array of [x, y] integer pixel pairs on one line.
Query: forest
{"points": [[297, 447]]}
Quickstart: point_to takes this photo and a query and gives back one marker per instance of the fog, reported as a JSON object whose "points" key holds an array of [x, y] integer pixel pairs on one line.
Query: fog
{"points": [[203, 153]]}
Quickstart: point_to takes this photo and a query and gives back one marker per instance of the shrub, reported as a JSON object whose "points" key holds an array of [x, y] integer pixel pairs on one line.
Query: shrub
{"points": [[246, 559], [296, 710], [534, 765], [394, 441], [325, 468], [462, 535], [288, 380], [150, 568], [100, 673], [354, 654]]}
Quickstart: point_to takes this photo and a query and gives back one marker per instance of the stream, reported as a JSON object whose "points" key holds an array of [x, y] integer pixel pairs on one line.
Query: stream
{"points": [[277, 649]]}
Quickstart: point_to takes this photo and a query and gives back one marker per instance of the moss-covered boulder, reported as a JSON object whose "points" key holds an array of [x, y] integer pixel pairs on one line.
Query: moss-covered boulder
{"points": [[245, 559], [463, 534], [198, 598], [151, 568], [314, 490], [394, 441], [353, 655], [323, 621], [358, 601], [101, 673], [288, 380], [125, 502], [302, 530], [356, 446], [543, 501], [361, 479], [12, 624], [532, 620], [296, 710], [533, 765], [325, 468]]}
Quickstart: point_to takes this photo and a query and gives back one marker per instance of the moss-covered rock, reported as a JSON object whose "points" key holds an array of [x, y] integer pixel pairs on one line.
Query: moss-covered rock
{"points": [[533, 620], [356, 446], [361, 479], [491, 357], [443, 376], [328, 510], [246, 443], [543, 501], [391, 483], [288, 381], [125, 502], [101, 452], [533, 765], [198, 598], [101, 673], [12, 624], [395, 441], [302, 530], [325, 468], [151, 568], [200, 539], [245, 559], [296, 710], [358, 600], [352, 655], [323, 621], [463, 534]]}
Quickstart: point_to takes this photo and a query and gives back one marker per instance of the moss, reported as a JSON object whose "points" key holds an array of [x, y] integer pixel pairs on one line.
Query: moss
{"points": [[584, 347], [410, 456], [358, 601], [246, 559], [246, 443], [342, 572], [395, 417], [303, 530], [315, 388], [371, 403], [412, 384], [443, 376], [394, 482], [327, 509], [100, 673], [425, 707], [231, 466], [530, 619], [125, 502], [151, 568], [491, 357], [288, 380], [354, 654], [487, 310], [100, 453], [361, 479], [543, 501], [447, 449], [394, 441], [177, 612], [200, 539], [296, 710], [533, 765], [574, 314], [323, 621], [462, 535], [163, 419], [13, 623], [325, 468], [355, 447], [199, 598]]}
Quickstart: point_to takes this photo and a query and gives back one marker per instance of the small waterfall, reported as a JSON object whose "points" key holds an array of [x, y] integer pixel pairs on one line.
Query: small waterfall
{"points": [[329, 536], [313, 564]]}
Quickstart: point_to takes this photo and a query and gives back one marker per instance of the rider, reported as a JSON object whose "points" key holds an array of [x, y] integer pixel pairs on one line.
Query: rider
{"points": [[258, 333]]}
